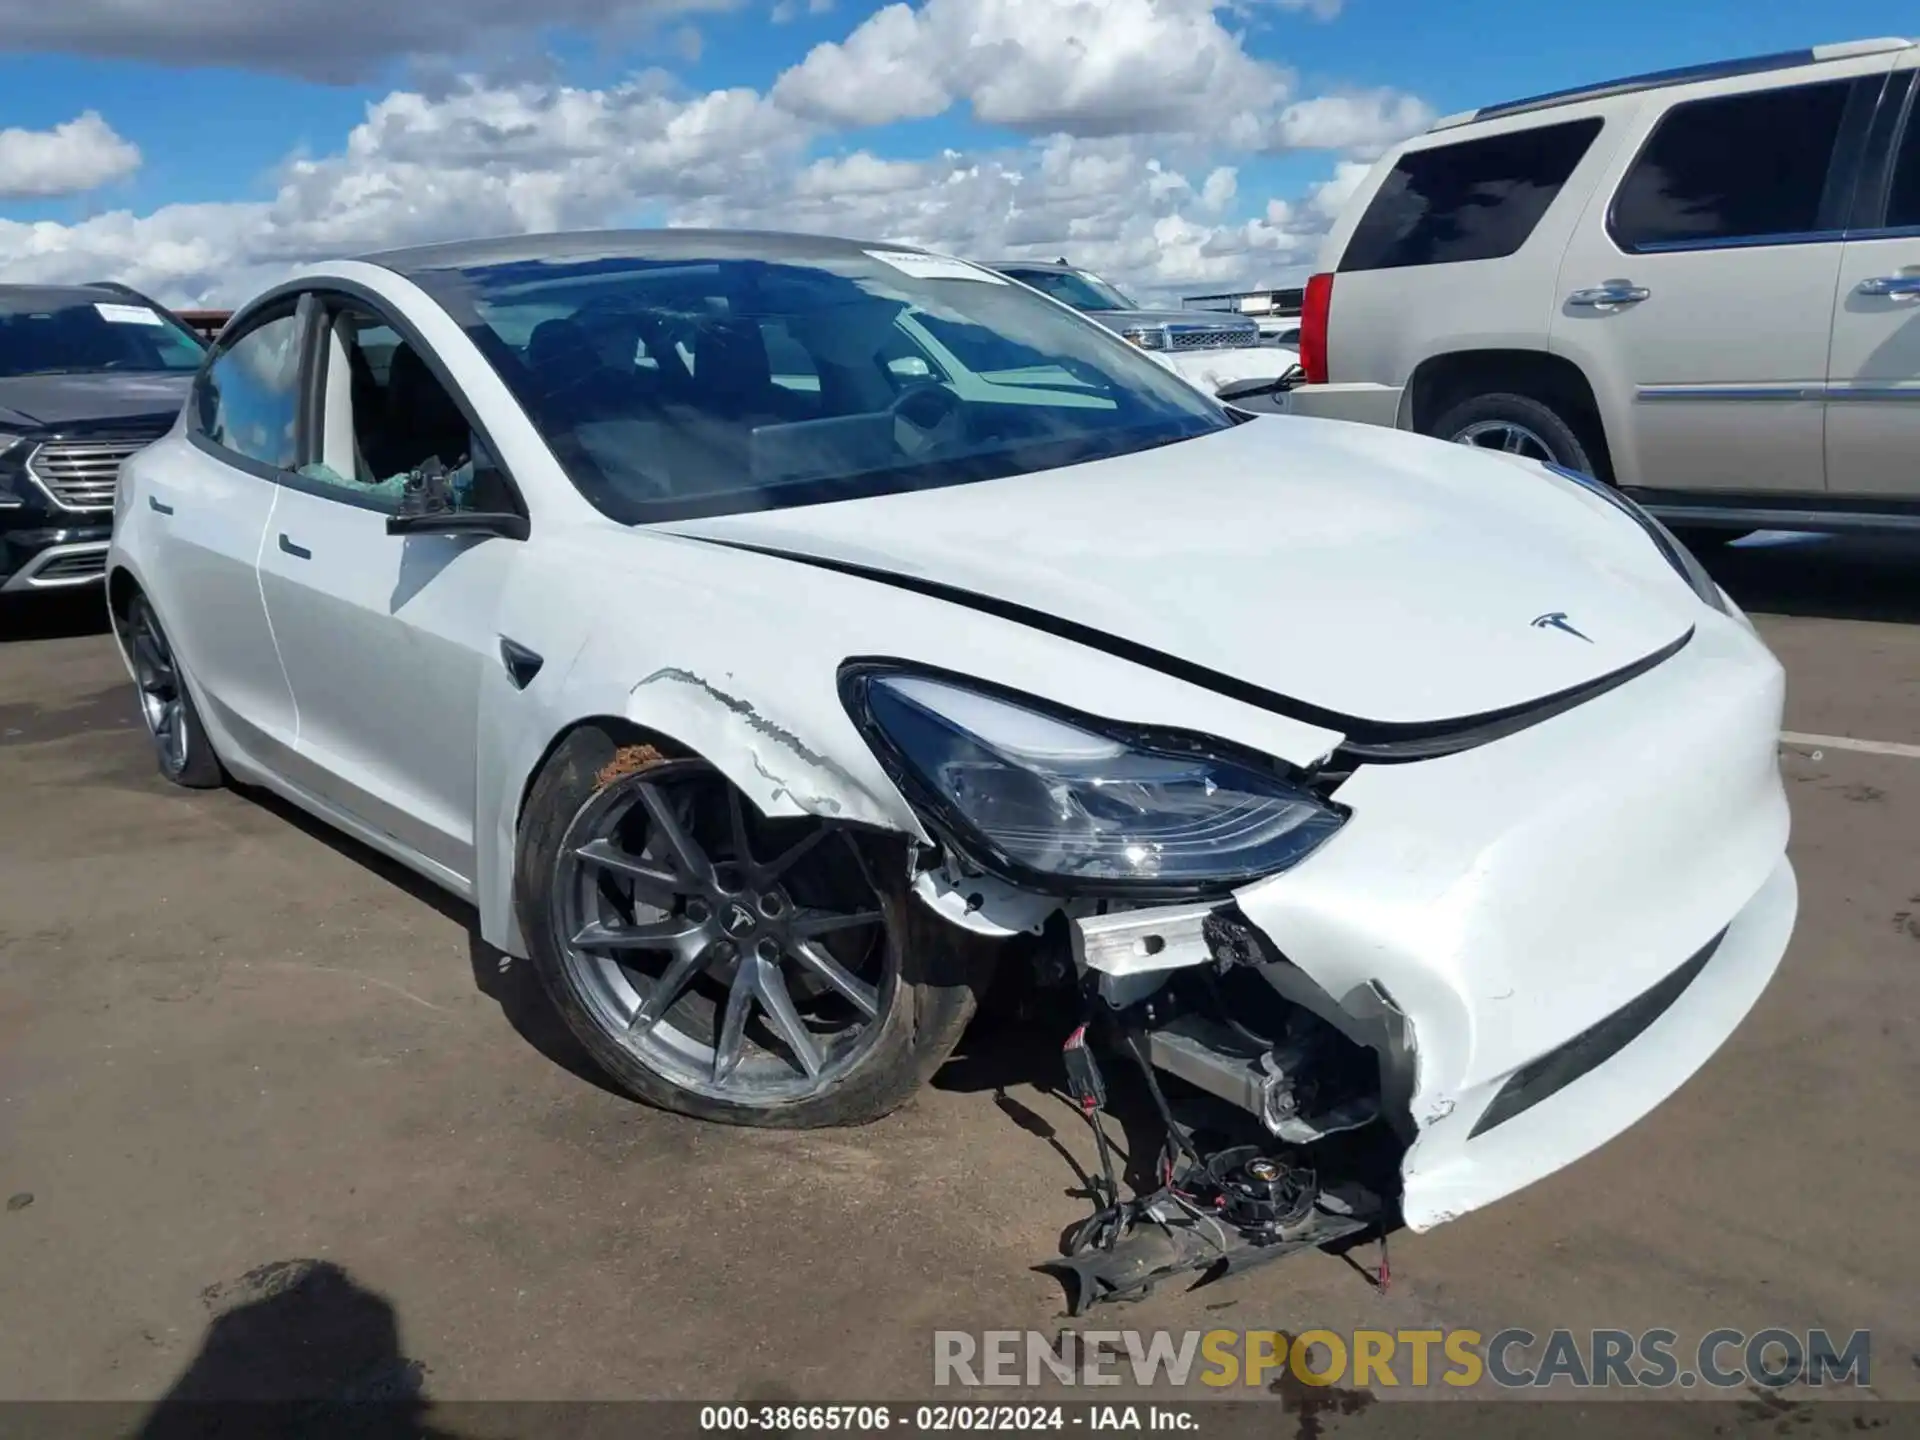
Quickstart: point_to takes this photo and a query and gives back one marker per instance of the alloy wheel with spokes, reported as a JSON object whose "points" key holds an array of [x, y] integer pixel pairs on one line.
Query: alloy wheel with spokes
{"points": [[742, 960], [180, 744]]}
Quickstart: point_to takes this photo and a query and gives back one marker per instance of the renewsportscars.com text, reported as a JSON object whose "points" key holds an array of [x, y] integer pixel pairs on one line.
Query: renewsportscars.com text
{"points": [[1511, 1359]]}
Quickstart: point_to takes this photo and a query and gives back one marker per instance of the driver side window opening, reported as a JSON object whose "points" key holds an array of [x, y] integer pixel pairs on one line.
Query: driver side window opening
{"points": [[386, 420], [247, 401]]}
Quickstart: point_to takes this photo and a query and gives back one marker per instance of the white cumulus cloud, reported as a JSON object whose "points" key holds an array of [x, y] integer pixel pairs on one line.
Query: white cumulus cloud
{"points": [[83, 154], [1090, 67], [1124, 120]]}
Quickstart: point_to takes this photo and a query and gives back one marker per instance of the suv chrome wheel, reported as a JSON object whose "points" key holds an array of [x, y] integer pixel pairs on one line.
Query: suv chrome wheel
{"points": [[1509, 436]]}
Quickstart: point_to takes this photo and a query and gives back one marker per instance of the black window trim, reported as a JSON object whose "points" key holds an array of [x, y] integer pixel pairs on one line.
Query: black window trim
{"points": [[1894, 124], [263, 311], [1600, 123], [313, 296], [1837, 193]]}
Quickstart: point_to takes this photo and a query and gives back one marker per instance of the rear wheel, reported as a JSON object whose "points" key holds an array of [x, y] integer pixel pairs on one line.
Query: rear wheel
{"points": [[1517, 425], [723, 965], [180, 744]]}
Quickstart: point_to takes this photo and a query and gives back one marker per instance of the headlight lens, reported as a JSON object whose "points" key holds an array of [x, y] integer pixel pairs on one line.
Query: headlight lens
{"points": [[1028, 794], [1147, 337], [9, 497], [1678, 556]]}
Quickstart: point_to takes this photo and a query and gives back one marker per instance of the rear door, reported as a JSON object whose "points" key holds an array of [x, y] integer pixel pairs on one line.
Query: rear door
{"points": [[205, 512], [1459, 246], [1873, 390], [386, 637], [1697, 293]]}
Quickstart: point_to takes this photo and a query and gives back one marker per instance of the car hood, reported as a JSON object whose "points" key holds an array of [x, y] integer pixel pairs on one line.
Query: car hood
{"points": [[1366, 572], [53, 400]]}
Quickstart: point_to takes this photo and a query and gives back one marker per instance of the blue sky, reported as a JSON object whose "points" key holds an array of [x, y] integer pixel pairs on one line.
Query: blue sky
{"points": [[219, 138]]}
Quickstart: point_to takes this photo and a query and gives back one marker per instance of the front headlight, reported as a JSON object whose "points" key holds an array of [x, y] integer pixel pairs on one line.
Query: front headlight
{"points": [[1678, 556], [9, 496], [1147, 337], [1076, 807]]}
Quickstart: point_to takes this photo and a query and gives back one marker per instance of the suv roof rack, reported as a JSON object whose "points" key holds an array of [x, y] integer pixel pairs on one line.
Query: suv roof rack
{"points": [[1684, 75]]}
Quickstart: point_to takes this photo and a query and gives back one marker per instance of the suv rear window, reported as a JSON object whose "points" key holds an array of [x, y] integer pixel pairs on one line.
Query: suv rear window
{"points": [[1478, 200], [1735, 169]]}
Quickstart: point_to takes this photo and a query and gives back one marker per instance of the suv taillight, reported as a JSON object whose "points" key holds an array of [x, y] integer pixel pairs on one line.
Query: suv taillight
{"points": [[1313, 327]]}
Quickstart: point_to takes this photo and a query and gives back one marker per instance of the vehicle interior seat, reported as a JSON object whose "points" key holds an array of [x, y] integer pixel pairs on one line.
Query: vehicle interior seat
{"points": [[572, 379], [733, 376], [422, 421]]}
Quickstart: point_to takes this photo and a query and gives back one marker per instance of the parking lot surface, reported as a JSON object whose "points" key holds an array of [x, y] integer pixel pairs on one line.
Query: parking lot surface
{"points": [[232, 1045]]}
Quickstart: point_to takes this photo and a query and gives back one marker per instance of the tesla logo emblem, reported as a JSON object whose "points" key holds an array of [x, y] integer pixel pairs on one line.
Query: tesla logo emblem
{"points": [[739, 920], [1557, 620]]}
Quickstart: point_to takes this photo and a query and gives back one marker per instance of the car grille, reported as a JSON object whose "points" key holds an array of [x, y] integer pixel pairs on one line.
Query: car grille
{"points": [[81, 474], [1214, 337]]}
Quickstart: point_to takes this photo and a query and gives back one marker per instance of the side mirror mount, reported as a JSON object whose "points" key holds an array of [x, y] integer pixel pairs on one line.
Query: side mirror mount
{"points": [[427, 507], [428, 492]]}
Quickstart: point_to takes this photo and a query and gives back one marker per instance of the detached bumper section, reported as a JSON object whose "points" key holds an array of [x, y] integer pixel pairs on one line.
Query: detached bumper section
{"points": [[1500, 1135], [1533, 942]]}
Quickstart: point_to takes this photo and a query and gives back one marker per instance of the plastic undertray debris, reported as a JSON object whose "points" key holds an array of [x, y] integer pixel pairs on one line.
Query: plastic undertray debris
{"points": [[1168, 1240]]}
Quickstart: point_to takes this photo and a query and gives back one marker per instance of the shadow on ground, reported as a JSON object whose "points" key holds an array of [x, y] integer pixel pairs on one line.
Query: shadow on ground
{"points": [[1014, 1043], [59, 616], [1821, 577], [508, 982], [297, 1347]]}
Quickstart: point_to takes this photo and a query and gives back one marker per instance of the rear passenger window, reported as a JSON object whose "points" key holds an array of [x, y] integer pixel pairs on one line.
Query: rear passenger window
{"points": [[1478, 200], [1903, 196], [1738, 169], [248, 399]]}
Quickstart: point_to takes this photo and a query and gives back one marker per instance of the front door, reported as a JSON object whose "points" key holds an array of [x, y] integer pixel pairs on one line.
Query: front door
{"points": [[206, 512], [384, 636], [1697, 292]]}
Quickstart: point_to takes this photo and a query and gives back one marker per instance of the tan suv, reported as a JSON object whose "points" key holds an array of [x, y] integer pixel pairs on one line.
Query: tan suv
{"points": [[1702, 284]]}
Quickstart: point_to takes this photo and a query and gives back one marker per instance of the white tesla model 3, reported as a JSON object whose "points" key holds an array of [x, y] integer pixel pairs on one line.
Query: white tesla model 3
{"points": [[770, 634]]}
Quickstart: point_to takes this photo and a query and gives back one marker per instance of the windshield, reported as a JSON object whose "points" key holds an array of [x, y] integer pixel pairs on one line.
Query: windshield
{"points": [[1079, 288], [674, 389], [65, 335]]}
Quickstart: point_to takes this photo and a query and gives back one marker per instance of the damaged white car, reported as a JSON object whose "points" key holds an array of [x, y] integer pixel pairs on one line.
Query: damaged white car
{"points": [[773, 635]]}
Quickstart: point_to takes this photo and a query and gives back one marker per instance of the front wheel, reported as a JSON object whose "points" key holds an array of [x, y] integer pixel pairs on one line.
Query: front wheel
{"points": [[1517, 425], [180, 744], [724, 965]]}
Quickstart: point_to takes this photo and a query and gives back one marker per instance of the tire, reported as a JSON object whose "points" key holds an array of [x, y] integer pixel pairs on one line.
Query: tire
{"points": [[1487, 420], [181, 747], [933, 973]]}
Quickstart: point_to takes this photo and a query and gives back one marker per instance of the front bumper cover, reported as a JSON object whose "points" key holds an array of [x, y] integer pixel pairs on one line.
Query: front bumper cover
{"points": [[1540, 938]]}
